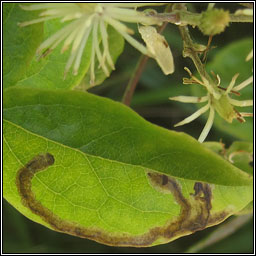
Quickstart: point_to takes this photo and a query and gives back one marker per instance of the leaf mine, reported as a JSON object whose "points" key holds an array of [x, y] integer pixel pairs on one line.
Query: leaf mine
{"points": [[195, 211]]}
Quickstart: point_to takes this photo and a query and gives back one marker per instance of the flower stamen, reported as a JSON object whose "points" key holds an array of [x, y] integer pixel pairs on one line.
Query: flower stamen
{"points": [[232, 83], [190, 99], [105, 44], [244, 84], [193, 116], [207, 126], [89, 19], [217, 101]]}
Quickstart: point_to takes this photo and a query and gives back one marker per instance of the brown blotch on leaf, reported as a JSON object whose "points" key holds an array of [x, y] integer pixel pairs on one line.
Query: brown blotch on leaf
{"points": [[165, 180], [194, 211], [26, 173], [198, 187]]}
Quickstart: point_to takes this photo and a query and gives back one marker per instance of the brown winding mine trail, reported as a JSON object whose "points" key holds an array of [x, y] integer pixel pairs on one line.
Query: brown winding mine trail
{"points": [[194, 214]]}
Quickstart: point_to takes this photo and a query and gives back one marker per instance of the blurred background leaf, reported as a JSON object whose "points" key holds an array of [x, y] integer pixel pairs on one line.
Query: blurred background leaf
{"points": [[150, 101], [19, 44]]}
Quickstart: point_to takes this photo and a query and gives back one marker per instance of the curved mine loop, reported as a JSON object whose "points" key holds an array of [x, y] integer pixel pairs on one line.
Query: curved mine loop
{"points": [[26, 173], [40, 162], [194, 210]]}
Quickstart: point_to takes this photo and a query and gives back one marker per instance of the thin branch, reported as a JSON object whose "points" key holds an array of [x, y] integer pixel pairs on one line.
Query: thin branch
{"points": [[191, 53], [132, 84], [129, 91], [184, 17], [179, 17], [241, 18]]}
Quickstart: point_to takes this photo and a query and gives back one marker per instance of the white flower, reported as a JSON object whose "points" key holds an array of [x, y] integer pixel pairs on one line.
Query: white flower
{"points": [[158, 47], [217, 100], [89, 19]]}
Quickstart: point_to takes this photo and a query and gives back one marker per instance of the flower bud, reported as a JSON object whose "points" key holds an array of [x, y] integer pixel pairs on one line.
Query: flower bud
{"points": [[224, 108], [158, 48], [214, 21]]}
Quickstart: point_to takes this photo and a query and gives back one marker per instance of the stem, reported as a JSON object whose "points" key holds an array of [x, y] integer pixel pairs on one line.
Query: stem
{"points": [[191, 53], [240, 18], [130, 88], [129, 91], [179, 17]]}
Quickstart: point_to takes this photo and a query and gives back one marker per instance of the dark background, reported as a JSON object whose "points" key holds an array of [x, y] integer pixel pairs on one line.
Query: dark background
{"points": [[21, 235]]}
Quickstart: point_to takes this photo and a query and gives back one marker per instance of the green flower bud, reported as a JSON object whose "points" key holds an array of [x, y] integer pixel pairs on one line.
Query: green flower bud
{"points": [[214, 21], [224, 108]]}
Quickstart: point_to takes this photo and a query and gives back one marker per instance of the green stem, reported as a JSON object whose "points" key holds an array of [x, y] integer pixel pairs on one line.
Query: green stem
{"points": [[240, 18], [179, 17], [190, 52]]}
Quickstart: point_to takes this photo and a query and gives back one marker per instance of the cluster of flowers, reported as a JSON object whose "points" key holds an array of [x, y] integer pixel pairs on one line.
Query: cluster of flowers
{"points": [[218, 99], [92, 19]]}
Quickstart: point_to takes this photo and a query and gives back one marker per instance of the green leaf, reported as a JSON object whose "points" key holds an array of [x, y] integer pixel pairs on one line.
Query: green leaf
{"points": [[116, 179], [49, 71], [248, 209], [217, 147], [240, 153], [19, 44]]}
